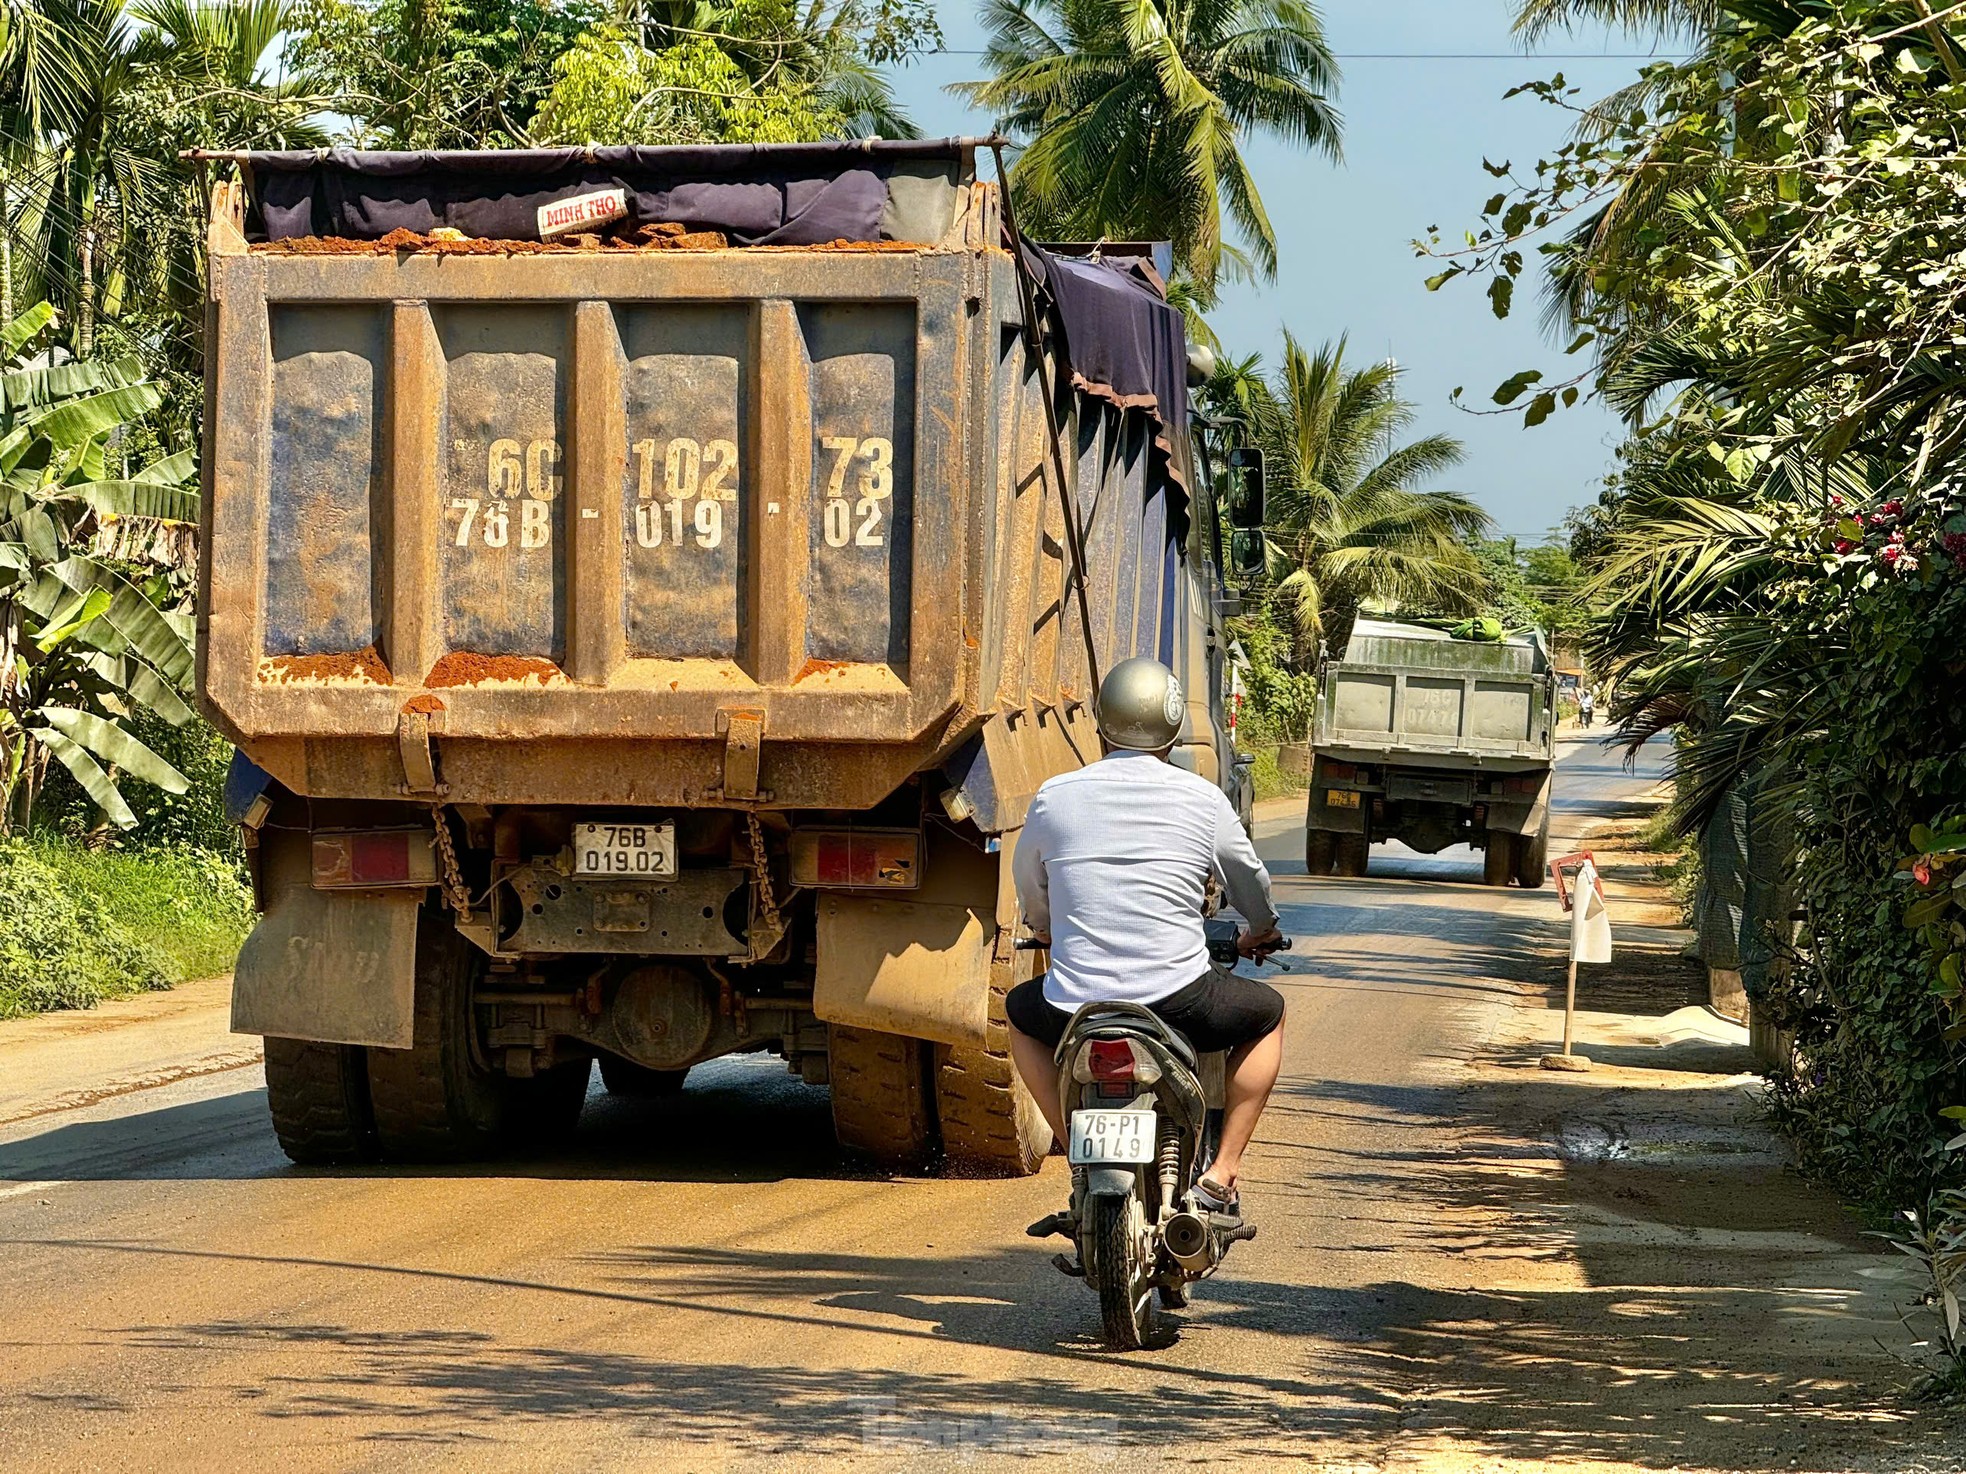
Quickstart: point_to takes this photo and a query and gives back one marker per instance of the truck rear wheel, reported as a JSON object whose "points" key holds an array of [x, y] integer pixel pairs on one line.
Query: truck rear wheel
{"points": [[1532, 857], [883, 1107], [1320, 850], [318, 1096], [1352, 854], [1498, 860], [630, 1081], [991, 1124], [435, 1102]]}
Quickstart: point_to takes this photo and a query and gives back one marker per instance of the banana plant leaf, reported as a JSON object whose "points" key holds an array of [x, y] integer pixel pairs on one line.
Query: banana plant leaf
{"points": [[75, 421], [87, 772], [172, 469], [26, 327], [111, 744], [139, 621], [82, 611], [138, 499]]}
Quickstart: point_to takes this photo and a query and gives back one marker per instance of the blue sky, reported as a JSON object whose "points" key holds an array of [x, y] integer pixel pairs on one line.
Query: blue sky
{"points": [[1416, 130]]}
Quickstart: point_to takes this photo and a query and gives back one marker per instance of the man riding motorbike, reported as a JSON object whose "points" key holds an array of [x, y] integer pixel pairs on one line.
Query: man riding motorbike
{"points": [[1112, 869]]}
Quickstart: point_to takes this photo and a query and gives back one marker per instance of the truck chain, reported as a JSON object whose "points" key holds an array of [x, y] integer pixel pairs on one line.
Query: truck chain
{"points": [[455, 890], [761, 871]]}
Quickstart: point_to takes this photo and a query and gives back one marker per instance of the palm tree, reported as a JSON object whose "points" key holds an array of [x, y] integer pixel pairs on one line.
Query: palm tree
{"points": [[1535, 19], [1346, 520], [1136, 112]]}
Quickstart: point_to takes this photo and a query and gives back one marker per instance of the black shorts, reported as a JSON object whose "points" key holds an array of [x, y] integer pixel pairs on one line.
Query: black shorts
{"points": [[1218, 1010]]}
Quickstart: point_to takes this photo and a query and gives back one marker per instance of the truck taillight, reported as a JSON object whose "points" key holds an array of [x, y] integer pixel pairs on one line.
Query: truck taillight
{"points": [[861, 859], [374, 858], [1340, 772]]}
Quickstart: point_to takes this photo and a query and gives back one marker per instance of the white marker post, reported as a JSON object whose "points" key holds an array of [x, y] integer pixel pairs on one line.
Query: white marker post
{"points": [[1590, 941]]}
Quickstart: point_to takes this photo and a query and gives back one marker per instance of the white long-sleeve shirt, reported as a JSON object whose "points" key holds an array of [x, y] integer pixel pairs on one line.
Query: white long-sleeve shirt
{"points": [[1113, 862]]}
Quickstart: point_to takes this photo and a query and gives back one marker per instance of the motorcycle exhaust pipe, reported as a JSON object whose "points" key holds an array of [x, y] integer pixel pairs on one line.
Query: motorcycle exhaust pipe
{"points": [[1191, 1241]]}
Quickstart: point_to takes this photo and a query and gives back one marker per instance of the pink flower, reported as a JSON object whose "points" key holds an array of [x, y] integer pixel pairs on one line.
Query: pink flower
{"points": [[1844, 545], [1892, 507], [1921, 870], [1891, 554]]}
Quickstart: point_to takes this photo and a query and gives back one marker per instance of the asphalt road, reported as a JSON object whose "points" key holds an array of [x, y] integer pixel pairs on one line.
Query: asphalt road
{"points": [[705, 1283]]}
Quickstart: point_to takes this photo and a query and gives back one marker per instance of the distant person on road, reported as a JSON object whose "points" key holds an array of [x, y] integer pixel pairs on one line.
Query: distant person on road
{"points": [[1112, 870], [1586, 706]]}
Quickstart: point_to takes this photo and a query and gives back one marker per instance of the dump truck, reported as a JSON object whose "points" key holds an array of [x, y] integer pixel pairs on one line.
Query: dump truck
{"points": [[1433, 740], [646, 587]]}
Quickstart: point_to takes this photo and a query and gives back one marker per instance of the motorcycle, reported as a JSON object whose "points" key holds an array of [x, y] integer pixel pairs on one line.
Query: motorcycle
{"points": [[1145, 1113]]}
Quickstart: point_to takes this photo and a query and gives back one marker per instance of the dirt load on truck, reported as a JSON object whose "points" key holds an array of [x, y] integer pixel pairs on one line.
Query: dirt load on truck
{"points": [[1434, 739], [645, 587]]}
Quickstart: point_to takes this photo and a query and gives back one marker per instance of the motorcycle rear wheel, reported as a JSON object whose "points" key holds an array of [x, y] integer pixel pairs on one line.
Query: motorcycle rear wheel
{"points": [[1126, 1292]]}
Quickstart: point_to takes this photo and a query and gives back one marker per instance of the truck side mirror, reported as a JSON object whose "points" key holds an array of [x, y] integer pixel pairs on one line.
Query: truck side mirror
{"points": [[1246, 488], [1247, 552]]}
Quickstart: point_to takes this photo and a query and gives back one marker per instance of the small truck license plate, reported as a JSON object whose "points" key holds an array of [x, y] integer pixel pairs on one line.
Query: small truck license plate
{"points": [[625, 849], [1111, 1136]]}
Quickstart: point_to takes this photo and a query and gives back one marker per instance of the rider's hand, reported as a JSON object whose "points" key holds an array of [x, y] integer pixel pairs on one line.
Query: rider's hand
{"points": [[1258, 944]]}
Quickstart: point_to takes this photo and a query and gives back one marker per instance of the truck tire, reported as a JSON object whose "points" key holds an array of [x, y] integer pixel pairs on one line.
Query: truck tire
{"points": [[1498, 860], [883, 1106], [434, 1102], [318, 1096], [991, 1124], [630, 1081], [1320, 851], [1532, 857], [1351, 855]]}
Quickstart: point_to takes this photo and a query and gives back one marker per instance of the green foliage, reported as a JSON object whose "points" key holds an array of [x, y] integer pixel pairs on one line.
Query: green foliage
{"points": [[1346, 520], [750, 71], [439, 73], [1280, 703], [78, 926], [1268, 780], [1136, 116], [1758, 245], [60, 948], [93, 626]]}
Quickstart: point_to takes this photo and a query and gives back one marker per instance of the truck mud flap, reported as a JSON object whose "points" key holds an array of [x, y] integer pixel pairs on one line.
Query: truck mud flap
{"points": [[905, 967], [331, 966], [1521, 816]]}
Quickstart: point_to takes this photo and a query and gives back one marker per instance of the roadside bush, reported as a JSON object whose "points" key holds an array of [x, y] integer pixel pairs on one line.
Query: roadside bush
{"points": [[79, 926], [60, 948]]}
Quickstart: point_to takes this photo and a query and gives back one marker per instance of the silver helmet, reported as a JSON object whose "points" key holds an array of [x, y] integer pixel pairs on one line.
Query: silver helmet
{"points": [[1141, 706]]}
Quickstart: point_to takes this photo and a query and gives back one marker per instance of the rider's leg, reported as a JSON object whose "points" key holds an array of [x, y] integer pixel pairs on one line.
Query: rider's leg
{"points": [[1039, 1071], [1252, 1074]]}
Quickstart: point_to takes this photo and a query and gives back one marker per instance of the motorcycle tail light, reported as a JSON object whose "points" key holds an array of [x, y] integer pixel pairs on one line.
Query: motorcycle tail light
{"points": [[370, 858], [1114, 1061]]}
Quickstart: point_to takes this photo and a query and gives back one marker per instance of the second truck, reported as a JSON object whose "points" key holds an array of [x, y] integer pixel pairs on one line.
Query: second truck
{"points": [[1433, 740]]}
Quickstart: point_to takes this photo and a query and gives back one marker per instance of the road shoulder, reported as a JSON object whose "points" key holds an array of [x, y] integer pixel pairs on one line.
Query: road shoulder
{"points": [[1652, 1282], [62, 1061]]}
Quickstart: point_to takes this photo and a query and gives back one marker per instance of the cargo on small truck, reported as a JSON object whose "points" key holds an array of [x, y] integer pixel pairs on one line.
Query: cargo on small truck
{"points": [[1434, 740], [646, 587]]}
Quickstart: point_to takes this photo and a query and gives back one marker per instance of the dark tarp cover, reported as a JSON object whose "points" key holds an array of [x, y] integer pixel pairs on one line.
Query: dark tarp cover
{"points": [[1125, 342], [757, 194]]}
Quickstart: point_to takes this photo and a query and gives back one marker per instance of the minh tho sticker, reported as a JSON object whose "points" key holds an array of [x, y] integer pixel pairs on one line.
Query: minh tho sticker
{"points": [[582, 212]]}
